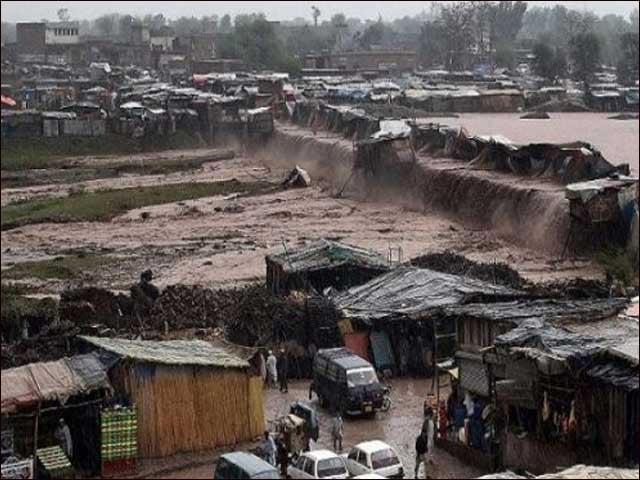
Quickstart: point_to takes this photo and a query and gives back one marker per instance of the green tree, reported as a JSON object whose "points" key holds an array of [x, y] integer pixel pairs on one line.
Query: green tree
{"points": [[549, 63], [315, 12], [372, 35], [585, 55], [431, 47], [225, 24], [458, 20], [63, 15], [627, 67], [106, 25]]}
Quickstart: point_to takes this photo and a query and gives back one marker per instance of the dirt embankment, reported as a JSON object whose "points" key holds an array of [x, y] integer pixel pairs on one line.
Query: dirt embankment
{"points": [[528, 212]]}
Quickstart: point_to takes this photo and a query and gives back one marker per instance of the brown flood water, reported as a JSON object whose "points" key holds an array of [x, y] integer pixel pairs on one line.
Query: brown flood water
{"points": [[616, 139]]}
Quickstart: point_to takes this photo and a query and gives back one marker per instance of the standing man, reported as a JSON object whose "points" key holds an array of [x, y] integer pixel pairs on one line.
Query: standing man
{"points": [[429, 431], [263, 367], [283, 371], [272, 369], [421, 450], [63, 437], [283, 457], [337, 432]]}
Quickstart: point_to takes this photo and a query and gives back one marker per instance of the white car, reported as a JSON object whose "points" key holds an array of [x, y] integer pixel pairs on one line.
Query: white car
{"points": [[374, 458], [319, 464], [368, 476]]}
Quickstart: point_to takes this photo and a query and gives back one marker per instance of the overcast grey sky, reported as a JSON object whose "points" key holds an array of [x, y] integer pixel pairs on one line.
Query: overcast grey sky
{"points": [[16, 11]]}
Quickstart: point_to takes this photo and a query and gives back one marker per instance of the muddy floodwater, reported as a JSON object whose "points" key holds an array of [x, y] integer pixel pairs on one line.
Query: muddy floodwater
{"points": [[399, 428], [616, 139]]}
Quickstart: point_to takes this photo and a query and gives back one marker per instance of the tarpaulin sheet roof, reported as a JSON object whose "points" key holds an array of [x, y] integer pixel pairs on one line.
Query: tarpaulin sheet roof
{"points": [[171, 352], [328, 254], [550, 309], [414, 292], [537, 340], [585, 191], [48, 381], [581, 471], [584, 344]]}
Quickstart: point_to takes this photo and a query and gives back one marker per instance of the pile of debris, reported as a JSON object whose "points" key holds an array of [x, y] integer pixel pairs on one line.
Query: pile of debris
{"points": [[449, 262], [180, 307]]}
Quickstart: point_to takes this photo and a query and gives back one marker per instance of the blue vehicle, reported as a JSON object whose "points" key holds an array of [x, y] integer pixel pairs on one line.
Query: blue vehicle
{"points": [[241, 465]]}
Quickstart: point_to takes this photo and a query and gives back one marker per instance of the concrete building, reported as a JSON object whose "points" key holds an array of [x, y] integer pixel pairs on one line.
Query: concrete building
{"points": [[62, 33], [162, 39], [393, 60]]}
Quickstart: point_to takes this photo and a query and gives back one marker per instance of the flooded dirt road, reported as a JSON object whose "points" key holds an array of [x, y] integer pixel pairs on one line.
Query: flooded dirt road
{"points": [[398, 428]]}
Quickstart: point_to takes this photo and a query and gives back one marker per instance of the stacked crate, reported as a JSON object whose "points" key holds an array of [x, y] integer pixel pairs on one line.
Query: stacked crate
{"points": [[119, 441]]}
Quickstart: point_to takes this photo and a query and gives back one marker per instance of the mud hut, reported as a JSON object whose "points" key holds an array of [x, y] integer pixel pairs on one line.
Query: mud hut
{"points": [[321, 265], [190, 395]]}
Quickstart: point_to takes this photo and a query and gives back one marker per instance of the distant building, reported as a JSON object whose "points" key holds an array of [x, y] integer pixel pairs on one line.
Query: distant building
{"points": [[392, 60], [62, 33], [162, 39], [40, 42]]}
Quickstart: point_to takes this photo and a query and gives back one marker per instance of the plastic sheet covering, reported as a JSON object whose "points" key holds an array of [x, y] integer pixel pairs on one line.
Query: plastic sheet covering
{"points": [[617, 375], [549, 309], [413, 292], [90, 369], [581, 471], [59, 380], [555, 350], [327, 254]]}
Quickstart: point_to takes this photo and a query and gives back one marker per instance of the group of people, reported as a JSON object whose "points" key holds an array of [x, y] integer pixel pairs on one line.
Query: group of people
{"points": [[275, 370]]}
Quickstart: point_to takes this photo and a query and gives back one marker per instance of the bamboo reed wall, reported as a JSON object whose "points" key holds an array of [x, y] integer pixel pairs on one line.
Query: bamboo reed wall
{"points": [[186, 409]]}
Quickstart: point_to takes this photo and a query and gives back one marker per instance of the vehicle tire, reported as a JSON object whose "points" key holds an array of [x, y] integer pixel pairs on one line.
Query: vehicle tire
{"points": [[386, 404]]}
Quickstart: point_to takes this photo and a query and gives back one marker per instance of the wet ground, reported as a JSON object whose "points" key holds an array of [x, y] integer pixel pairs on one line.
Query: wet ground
{"points": [[398, 428]]}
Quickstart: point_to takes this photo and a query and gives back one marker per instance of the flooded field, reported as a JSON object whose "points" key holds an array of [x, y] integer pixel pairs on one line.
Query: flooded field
{"points": [[616, 139]]}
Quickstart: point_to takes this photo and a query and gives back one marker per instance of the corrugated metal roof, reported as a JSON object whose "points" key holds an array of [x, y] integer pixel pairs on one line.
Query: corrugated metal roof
{"points": [[170, 352], [327, 254]]}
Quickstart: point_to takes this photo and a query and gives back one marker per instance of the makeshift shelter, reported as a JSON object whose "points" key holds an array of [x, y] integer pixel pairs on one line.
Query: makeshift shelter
{"points": [[408, 304], [36, 396], [321, 265], [569, 390], [190, 395]]}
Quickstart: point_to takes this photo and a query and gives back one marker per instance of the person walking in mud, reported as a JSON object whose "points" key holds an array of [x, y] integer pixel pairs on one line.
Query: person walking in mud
{"points": [[283, 457], [272, 370], [283, 371], [429, 431], [421, 451], [337, 432]]}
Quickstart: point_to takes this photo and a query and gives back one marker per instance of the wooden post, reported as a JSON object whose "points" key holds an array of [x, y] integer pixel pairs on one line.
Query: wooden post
{"points": [[35, 439]]}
